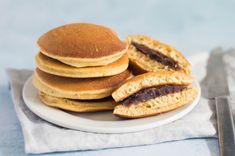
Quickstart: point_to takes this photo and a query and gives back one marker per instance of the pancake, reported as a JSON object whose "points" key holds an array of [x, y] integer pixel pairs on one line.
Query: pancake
{"points": [[82, 44], [75, 88], [153, 93], [56, 67], [147, 54], [156, 106], [78, 105], [150, 79]]}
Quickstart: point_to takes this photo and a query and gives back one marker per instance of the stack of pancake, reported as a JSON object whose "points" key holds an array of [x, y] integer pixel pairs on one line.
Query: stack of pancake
{"points": [[163, 82], [79, 66]]}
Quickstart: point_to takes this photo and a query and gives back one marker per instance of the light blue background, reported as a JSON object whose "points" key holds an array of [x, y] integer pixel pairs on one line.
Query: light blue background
{"points": [[191, 26]]}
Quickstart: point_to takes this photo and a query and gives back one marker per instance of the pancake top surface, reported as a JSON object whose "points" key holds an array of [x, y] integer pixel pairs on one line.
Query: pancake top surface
{"points": [[80, 40], [75, 84]]}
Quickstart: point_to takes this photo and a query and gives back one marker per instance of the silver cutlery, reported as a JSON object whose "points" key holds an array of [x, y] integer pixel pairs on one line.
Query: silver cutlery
{"points": [[218, 90]]}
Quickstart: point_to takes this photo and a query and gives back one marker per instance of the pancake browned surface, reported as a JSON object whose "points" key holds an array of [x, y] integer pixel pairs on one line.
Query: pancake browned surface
{"points": [[82, 44], [78, 105], [153, 93], [147, 54], [56, 67], [75, 88]]}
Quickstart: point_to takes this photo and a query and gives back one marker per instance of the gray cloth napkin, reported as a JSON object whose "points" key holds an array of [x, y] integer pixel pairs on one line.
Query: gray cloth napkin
{"points": [[41, 136], [229, 59]]}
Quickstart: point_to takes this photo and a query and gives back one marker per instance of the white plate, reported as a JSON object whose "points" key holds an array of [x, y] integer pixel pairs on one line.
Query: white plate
{"points": [[100, 122]]}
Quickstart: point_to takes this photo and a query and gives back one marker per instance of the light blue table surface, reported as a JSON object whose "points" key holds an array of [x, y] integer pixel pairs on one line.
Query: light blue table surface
{"points": [[191, 26]]}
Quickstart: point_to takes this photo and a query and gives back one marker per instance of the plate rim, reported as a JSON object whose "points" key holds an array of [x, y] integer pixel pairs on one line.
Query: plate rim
{"points": [[127, 129]]}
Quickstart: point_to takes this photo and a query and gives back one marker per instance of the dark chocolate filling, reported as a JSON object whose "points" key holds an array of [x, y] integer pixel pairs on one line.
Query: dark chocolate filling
{"points": [[151, 93], [156, 55]]}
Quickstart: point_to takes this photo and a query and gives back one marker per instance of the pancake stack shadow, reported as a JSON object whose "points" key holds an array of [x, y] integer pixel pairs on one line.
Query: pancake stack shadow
{"points": [[79, 66]]}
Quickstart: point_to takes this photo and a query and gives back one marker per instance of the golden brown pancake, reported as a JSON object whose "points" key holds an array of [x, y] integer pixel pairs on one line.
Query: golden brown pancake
{"points": [[78, 105], [82, 45], [153, 93], [150, 79], [75, 88], [56, 67], [156, 106], [147, 54]]}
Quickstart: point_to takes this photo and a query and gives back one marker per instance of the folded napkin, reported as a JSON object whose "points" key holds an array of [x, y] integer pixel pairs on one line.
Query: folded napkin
{"points": [[229, 59], [41, 136]]}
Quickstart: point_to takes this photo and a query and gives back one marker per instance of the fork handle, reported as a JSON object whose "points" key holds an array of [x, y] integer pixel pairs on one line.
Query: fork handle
{"points": [[225, 126]]}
